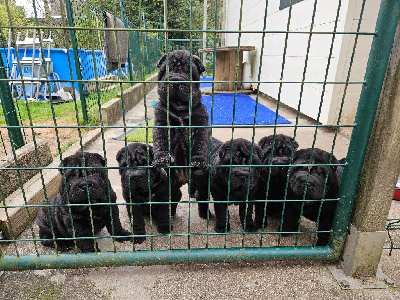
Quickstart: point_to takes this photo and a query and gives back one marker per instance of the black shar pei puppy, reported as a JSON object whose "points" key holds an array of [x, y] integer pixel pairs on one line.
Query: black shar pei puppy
{"points": [[238, 182], [93, 188], [135, 189], [200, 185], [282, 148], [309, 182], [176, 96]]}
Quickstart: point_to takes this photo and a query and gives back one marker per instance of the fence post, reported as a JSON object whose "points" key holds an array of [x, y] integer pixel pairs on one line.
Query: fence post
{"points": [[9, 111], [126, 23], [364, 245], [82, 95], [146, 45]]}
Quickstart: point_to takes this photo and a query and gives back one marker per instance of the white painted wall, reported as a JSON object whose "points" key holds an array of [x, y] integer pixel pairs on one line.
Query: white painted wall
{"points": [[296, 51]]}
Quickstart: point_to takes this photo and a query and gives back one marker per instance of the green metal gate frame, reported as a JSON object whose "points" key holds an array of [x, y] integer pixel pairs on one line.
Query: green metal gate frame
{"points": [[378, 59]]}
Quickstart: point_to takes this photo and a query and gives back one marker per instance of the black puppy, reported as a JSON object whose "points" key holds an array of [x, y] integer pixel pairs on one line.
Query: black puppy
{"points": [[83, 189], [230, 184], [340, 169], [308, 183], [176, 99], [275, 151], [200, 185], [136, 187]]}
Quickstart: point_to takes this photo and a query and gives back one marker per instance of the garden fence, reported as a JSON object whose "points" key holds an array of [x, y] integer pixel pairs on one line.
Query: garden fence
{"points": [[277, 38]]}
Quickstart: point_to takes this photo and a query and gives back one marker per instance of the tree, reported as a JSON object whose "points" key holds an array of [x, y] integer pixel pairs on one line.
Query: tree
{"points": [[11, 15]]}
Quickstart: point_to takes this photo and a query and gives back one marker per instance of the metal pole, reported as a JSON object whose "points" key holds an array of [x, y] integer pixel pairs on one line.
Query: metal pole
{"points": [[145, 44], [121, 3], [76, 58], [9, 111], [145, 257], [204, 28]]}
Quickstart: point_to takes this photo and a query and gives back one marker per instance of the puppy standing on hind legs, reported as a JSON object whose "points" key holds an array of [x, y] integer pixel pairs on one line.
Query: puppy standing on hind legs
{"points": [[175, 98]]}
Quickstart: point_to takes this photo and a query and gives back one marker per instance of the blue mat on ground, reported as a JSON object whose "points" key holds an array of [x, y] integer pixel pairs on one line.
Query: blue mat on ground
{"points": [[205, 82], [244, 110]]}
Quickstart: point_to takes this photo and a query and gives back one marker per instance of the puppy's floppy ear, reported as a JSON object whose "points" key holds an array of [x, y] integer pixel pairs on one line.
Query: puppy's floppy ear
{"points": [[334, 161], [223, 150], [121, 157], [258, 155], [244, 147], [295, 146], [151, 154], [67, 162], [197, 61], [265, 141], [161, 61], [99, 158], [296, 155]]}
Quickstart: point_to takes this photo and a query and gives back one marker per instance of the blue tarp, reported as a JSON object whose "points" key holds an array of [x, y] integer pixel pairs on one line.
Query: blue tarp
{"points": [[244, 111]]}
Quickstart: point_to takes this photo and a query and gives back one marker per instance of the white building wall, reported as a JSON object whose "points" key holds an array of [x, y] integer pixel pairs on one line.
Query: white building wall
{"points": [[296, 50]]}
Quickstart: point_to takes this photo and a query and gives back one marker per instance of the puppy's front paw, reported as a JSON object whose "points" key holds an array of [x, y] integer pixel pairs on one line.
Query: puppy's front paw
{"points": [[286, 231], [250, 228], [204, 212], [199, 165], [164, 229], [221, 229], [259, 223], [139, 239], [125, 236], [160, 162]]}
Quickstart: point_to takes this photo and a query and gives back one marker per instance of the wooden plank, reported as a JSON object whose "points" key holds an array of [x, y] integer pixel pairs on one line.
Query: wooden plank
{"points": [[227, 49]]}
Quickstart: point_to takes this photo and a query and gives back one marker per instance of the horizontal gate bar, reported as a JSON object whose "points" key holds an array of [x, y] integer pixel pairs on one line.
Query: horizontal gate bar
{"points": [[106, 259]]}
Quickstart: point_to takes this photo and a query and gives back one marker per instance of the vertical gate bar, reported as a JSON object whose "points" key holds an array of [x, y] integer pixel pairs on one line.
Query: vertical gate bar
{"points": [[257, 97], [121, 3], [279, 100], [146, 46], [190, 115], [374, 76], [211, 122], [10, 113], [12, 37], [82, 95]]}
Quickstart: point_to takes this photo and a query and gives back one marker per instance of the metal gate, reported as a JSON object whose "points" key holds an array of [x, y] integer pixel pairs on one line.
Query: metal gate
{"points": [[68, 122]]}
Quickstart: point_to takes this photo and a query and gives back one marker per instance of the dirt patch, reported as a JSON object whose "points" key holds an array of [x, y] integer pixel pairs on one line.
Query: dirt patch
{"points": [[59, 139]]}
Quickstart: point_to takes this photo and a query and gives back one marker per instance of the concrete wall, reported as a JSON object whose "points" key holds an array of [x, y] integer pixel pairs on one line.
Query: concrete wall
{"points": [[350, 102], [296, 50], [26, 158], [112, 110]]}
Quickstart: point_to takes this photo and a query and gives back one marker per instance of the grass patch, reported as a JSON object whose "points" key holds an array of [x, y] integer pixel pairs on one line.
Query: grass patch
{"points": [[65, 113], [139, 135], [64, 148]]}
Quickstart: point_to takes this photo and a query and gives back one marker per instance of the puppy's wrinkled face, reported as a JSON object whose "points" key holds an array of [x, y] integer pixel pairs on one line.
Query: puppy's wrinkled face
{"points": [[311, 179], [135, 176], [241, 176], [84, 185], [281, 150], [179, 64]]}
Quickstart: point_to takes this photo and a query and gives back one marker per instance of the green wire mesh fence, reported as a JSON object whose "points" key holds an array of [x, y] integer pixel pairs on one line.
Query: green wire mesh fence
{"points": [[144, 210]]}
